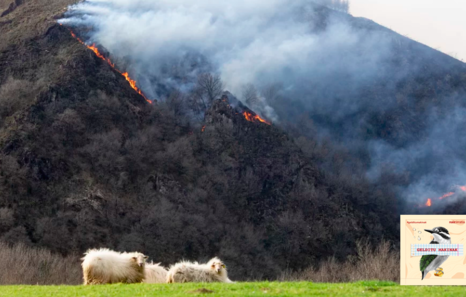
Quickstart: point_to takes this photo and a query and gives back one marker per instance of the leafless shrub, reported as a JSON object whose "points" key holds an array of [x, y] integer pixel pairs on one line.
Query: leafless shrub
{"points": [[176, 103], [69, 120], [16, 235], [381, 263], [25, 265], [15, 94], [209, 87], [6, 218], [250, 96]]}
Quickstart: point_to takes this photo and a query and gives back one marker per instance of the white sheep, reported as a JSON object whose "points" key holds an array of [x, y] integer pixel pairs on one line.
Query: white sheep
{"points": [[104, 266], [155, 274], [213, 271]]}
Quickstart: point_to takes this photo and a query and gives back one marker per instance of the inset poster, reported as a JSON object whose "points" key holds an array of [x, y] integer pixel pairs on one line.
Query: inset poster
{"points": [[432, 250]]}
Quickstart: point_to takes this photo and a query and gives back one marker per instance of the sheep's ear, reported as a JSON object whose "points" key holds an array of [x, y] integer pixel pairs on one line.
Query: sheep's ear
{"points": [[134, 258], [223, 265], [213, 266], [146, 257]]}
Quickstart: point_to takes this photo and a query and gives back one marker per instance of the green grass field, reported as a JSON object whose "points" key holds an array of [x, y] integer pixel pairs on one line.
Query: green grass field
{"points": [[365, 288]]}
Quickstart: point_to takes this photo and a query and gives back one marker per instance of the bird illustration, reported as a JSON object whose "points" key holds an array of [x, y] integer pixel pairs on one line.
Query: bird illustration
{"points": [[432, 262]]}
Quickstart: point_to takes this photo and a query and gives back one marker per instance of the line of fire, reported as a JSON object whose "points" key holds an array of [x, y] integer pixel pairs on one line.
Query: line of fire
{"points": [[131, 81], [449, 194], [247, 115]]}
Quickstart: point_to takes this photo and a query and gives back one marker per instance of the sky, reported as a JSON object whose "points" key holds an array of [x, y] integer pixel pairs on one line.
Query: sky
{"points": [[440, 24]]}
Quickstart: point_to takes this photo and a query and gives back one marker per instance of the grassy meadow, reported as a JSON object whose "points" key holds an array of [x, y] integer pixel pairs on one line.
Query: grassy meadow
{"points": [[362, 288]]}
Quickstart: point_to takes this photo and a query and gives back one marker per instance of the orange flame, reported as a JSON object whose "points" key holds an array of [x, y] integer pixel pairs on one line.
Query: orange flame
{"points": [[132, 83], [93, 48], [447, 195], [99, 55], [203, 128], [255, 118], [462, 188]]}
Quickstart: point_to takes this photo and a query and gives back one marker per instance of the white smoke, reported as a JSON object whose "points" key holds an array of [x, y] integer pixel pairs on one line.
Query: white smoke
{"points": [[318, 59], [165, 44], [439, 155]]}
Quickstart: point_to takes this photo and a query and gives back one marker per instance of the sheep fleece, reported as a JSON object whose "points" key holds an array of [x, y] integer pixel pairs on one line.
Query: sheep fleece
{"points": [[107, 267]]}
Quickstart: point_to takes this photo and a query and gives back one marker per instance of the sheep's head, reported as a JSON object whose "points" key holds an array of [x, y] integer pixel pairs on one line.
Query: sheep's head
{"points": [[218, 266], [139, 259]]}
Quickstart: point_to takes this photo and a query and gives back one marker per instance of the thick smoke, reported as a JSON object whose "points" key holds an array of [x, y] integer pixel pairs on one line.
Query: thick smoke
{"points": [[439, 156], [166, 44], [292, 57]]}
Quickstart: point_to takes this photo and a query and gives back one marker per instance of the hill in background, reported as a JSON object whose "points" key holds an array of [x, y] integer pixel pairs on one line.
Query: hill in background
{"points": [[87, 162]]}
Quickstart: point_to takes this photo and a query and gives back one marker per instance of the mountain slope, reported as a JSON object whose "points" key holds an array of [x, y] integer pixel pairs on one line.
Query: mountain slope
{"points": [[392, 107], [87, 162], [395, 105]]}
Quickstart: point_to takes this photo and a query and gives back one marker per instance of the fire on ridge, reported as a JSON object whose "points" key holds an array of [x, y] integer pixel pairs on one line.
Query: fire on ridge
{"points": [[247, 115], [429, 200], [255, 118], [131, 81]]}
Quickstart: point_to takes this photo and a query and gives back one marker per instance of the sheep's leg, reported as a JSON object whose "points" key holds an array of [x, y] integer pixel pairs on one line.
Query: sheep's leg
{"points": [[169, 278], [87, 275]]}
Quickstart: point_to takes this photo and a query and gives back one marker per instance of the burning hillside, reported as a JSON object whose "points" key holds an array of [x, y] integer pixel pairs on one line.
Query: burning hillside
{"points": [[384, 102], [229, 109], [93, 48], [86, 162], [248, 114], [254, 118], [459, 191]]}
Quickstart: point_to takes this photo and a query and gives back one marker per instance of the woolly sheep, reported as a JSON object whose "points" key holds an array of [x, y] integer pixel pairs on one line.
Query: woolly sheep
{"points": [[213, 271], [104, 266], [155, 274]]}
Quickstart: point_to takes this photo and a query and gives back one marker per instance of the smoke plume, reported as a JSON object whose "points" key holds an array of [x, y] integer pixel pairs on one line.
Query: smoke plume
{"points": [[284, 59], [166, 44]]}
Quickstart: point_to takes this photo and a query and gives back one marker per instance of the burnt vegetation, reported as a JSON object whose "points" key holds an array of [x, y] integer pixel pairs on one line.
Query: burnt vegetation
{"points": [[86, 162]]}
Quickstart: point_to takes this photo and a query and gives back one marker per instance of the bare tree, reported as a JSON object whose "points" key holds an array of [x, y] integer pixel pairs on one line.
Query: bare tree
{"points": [[175, 102], [15, 94], [209, 87], [250, 96]]}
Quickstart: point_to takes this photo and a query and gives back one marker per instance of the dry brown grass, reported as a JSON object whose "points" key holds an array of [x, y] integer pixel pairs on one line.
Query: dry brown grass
{"points": [[30, 19], [25, 265], [382, 263]]}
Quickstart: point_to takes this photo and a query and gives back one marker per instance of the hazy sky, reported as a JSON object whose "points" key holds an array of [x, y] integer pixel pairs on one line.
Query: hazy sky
{"points": [[440, 24]]}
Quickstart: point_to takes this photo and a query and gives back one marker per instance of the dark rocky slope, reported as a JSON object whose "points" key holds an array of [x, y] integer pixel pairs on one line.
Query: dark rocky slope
{"points": [[86, 162]]}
